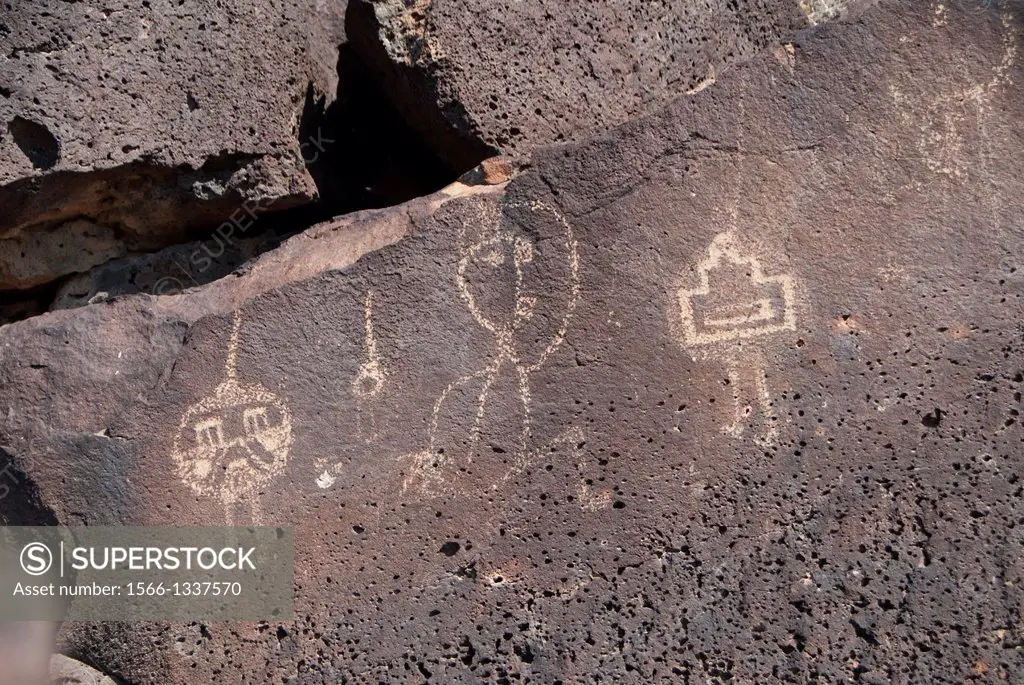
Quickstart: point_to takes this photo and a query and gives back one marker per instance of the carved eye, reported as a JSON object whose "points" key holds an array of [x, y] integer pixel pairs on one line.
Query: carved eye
{"points": [[255, 420], [209, 433], [493, 257]]}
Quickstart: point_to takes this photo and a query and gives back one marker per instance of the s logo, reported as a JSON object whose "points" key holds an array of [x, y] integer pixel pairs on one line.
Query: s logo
{"points": [[36, 559]]}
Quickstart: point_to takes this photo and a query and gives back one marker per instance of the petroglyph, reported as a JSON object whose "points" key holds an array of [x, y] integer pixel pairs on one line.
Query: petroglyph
{"points": [[499, 258], [941, 119], [231, 444], [589, 497], [328, 473], [749, 384], [735, 300], [369, 382], [819, 11], [570, 442], [367, 387], [716, 316]]}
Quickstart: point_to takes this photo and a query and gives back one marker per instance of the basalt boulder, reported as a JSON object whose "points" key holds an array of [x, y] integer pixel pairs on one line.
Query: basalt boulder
{"points": [[127, 127], [480, 76], [729, 394]]}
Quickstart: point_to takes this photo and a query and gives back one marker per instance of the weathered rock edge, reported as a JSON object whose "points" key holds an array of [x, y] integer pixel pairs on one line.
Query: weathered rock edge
{"points": [[479, 77]]}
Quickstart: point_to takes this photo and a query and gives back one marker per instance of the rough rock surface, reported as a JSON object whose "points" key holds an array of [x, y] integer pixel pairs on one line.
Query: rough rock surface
{"points": [[67, 671], [141, 121], [729, 394], [509, 75]]}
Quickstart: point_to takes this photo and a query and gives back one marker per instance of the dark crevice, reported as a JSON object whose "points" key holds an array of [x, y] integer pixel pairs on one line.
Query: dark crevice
{"points": [[227, 161], [358, 149], [448, 130], [20, 503], [16, 305], [361, 152]]}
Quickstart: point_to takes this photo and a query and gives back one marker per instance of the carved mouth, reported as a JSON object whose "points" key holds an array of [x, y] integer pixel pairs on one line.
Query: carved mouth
{"points": [[743, 315]]}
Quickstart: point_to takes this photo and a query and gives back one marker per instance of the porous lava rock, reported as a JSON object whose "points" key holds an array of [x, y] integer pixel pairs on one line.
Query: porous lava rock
{"points": [[510, 75], [126, 126], [729, 394]]}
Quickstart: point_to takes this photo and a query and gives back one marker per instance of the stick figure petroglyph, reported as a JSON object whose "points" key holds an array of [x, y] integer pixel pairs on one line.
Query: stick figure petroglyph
{"points": [[734, 302], [493, 280], [940, 117], [233, 443], [366, 386], [370, 380]]}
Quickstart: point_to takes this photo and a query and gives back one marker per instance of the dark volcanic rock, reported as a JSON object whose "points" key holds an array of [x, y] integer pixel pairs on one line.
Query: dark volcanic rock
{"points": [[730, 394], [508, 75], [122, 127]]}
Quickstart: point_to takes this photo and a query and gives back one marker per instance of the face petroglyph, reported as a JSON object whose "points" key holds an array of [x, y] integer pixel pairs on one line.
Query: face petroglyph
{"points": [[234, 442], [501, 257]]}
